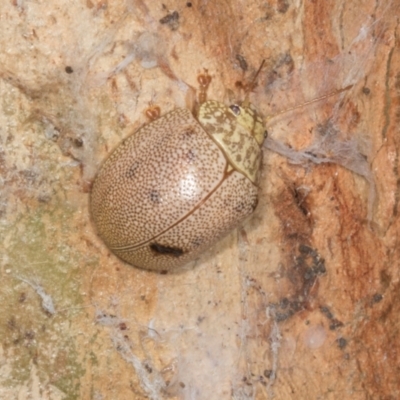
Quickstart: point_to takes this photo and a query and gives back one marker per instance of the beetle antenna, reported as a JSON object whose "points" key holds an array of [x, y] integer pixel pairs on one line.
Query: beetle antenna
{"points": [[252, 85], [325, 96]]}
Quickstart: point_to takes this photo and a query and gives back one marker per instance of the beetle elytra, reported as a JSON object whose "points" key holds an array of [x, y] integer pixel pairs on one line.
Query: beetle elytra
{"points": [[179, 183]]}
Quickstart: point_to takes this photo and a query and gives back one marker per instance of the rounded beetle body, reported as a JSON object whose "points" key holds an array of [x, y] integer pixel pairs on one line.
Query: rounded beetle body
{"points": [[178, 184]]}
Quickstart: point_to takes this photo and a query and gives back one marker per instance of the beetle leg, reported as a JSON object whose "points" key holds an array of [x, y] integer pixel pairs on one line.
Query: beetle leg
{"points": [[204, 81]]}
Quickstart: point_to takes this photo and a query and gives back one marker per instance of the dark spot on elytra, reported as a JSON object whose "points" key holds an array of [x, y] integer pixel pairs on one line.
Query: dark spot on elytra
{"points": [[69, 69], [130, 173], [159, 249], [155, 197]]}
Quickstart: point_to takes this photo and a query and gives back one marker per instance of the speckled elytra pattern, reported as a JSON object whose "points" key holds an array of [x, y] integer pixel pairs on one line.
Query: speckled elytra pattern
{"points": [[167, 192], [235, 199], [241, 148]]}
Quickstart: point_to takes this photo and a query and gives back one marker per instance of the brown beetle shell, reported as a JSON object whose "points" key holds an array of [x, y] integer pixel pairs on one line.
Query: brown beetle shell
{"points": [[168, 192]]}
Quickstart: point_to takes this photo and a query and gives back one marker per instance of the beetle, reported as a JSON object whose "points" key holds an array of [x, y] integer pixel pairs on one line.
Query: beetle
{"points": [[179, 183]]}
